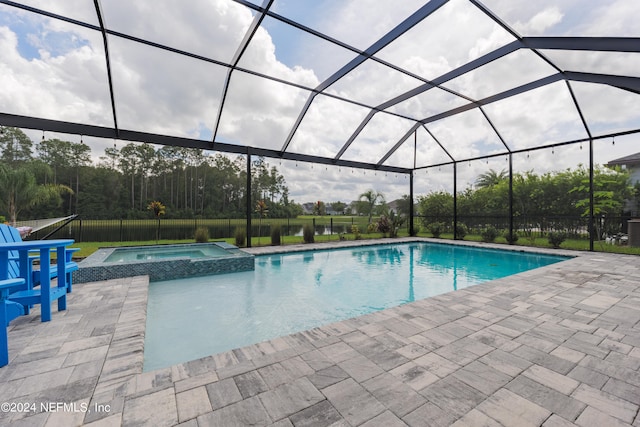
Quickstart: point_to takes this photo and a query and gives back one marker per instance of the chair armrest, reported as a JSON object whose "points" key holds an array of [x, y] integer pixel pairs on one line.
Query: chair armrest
{"points": [[70, 252], [9, 285]]}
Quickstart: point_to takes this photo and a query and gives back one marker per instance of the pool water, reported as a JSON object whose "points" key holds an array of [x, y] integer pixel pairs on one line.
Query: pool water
{"points": [[286, 293], [139, 253]]}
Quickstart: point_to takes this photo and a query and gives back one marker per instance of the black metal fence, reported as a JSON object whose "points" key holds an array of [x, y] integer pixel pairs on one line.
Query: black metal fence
{"points": [[124, 230], [574, 227]]}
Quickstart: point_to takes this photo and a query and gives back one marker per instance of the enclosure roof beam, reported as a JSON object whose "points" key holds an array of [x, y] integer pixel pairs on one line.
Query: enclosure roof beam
{"points": [[108, 62], [622, 82], [486, 116], [399, 143], [600, 44], [384, 41], [629, 83], [439, 144], [48, 125], [579, 110], [533, 149], [470, 66]]}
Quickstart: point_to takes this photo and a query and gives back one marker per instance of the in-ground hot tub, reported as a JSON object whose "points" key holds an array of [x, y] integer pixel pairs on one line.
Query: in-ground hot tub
{"points": [[163, 262]]}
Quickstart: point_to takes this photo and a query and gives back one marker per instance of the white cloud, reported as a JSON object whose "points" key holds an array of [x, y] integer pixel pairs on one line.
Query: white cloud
{"points": [[540, 22]]}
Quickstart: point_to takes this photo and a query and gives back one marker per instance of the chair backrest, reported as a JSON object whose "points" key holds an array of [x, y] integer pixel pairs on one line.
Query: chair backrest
{"points": [[9, 234]]}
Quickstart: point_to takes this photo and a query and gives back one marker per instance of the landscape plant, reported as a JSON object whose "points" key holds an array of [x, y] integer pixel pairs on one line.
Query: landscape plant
{"points": [[556, 238], [262, 210], [202, 235], [159, 209], [308, 233], [240, 237], [436, 228], [396, 223], [369, 199], [511, 238], [372, 227], [384, 225], [275, 235], [461, 231], [489, 234]]}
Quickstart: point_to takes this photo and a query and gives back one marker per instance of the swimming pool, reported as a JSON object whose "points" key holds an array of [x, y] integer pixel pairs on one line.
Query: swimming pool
{"points": [[286, 293]]}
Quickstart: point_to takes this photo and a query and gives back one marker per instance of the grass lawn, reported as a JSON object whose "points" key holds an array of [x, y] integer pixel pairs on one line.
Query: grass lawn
{"points": [[543, 242], [87, 248]]}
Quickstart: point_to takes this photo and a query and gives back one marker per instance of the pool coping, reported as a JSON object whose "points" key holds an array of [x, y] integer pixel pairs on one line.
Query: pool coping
{"points": [[114, 351]]}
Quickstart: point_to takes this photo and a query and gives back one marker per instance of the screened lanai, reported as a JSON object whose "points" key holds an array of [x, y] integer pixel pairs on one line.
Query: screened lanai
{"points": [[414, 88]]}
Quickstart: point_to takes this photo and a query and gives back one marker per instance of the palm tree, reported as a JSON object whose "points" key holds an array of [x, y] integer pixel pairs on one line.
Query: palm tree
{"points": [[19, 190], [263, 211], [371, 198], [490, 178]]}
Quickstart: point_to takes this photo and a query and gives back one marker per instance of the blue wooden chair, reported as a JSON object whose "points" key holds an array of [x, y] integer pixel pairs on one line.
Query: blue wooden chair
{"points": [[10, 234], [18, 278], [9, 310], [19, 264]]}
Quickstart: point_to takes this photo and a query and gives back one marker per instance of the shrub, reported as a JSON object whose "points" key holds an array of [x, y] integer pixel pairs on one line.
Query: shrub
{"points": [[530, 235], [415, 231], [308, 233], [489, 234], [511, 239], [435, 228], [396, 224], [372, 227], [384, 225], [556, 238], [202, 235], [461, 231], [356, 232], [275, 235], [240, 236]]}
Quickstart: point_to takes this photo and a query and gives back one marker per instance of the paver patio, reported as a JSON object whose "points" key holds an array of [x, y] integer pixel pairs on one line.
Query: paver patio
{"points": [[555, 346]]}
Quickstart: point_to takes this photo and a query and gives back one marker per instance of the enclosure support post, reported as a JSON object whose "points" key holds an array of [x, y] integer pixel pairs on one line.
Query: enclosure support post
{"points": [[411, 229], [591, 213], [248, 196], [510, 198], [455, 200]]}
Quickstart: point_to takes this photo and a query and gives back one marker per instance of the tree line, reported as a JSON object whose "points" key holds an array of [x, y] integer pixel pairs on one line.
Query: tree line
{"points": [[55, 178], [538, 197]]}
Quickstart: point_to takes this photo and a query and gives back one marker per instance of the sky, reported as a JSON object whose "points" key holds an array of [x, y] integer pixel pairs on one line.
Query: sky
{"points": [[56, 70]]}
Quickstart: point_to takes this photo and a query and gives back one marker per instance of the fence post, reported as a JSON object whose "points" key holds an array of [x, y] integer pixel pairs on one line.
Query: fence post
{"points": [[121, 229], [330, 227]]}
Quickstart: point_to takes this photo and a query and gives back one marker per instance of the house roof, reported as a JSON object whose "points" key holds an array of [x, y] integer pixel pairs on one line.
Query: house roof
{"points": [[631, 159]]}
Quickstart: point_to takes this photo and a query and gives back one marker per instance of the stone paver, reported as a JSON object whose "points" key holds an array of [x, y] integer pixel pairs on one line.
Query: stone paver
{"points": [[556, 346]]}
